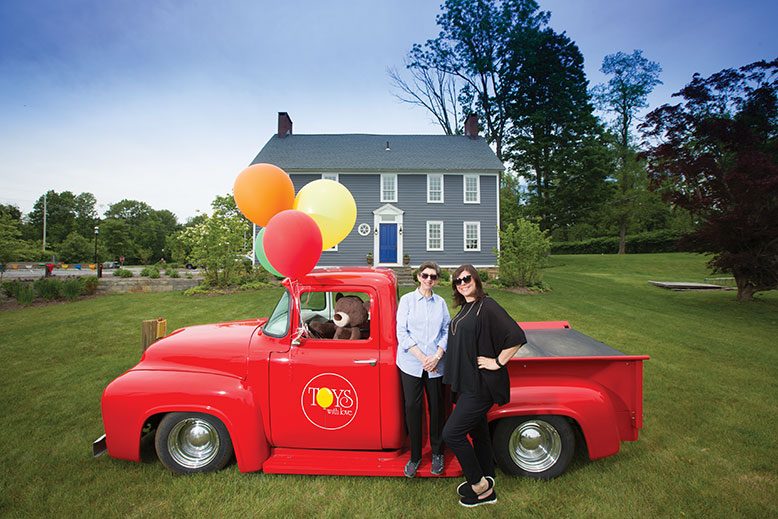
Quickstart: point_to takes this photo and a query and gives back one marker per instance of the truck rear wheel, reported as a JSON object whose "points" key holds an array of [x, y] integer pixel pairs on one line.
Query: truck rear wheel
{"points": [[539, 447], [193, 442]]}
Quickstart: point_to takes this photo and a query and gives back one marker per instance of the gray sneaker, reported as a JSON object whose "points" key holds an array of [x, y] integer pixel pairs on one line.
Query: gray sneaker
{"points": [[410, 468], [437, 464]]}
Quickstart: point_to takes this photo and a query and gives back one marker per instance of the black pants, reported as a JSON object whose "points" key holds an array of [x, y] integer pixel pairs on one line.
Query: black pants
{"points": [[413, 389], [469, 418]]}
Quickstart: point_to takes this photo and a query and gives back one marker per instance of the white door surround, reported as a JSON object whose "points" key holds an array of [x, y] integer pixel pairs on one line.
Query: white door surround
{"points": [[387, 213]]}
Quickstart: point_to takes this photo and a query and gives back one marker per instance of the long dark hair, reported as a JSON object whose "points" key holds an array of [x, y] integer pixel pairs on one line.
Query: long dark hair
{"points": [[459, 299]]}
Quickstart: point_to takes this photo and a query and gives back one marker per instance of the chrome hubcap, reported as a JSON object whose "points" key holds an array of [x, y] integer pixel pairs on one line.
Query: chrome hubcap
{"points": [[535, 446], [193, 443]]}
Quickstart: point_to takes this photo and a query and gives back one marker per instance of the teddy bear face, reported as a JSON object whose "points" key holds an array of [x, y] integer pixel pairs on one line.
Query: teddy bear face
{"points": [[350, 311]]}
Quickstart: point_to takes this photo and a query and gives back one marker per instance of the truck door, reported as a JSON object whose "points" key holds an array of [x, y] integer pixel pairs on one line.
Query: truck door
{"points": [[324, 392]]}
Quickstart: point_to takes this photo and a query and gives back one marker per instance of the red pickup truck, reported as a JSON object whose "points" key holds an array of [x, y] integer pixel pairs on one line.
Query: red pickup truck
{"points": [[284, 401]]}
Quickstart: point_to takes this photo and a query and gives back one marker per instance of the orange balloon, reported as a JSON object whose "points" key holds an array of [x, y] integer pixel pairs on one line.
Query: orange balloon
{"points": [[261, 191]]}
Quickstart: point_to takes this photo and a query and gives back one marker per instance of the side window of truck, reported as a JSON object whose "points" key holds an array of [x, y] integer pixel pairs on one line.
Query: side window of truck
{"points": [[318, 311]]}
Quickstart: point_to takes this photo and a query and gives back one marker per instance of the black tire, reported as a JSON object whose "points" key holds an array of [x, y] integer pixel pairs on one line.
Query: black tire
{"points": [[193, 442], [539, 447]]}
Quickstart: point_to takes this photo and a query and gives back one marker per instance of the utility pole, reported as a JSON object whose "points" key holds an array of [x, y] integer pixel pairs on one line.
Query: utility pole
{"points": [[44, 222]]}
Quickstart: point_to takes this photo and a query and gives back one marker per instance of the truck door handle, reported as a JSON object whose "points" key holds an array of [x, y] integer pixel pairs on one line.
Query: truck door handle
{"points": [[372, 362]]}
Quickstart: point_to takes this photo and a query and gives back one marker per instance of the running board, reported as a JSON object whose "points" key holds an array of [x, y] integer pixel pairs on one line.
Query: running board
{"points": [[353, 463]]}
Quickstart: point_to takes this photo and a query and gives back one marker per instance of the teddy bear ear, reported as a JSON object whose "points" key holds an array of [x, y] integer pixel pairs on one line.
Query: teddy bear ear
{"points": [[338, 296]]}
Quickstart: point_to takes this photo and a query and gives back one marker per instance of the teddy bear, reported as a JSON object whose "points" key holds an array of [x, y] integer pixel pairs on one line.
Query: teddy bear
{"points": [[351, 314]]}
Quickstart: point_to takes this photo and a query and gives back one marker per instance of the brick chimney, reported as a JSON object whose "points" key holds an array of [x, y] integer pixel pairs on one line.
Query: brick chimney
{"points": [[284, 125], [471, 126]]}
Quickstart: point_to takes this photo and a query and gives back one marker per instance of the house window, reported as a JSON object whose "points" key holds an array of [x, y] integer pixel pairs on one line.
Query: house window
{"points": [[435, 235], [330, 176], [472, 236], [388, 187], [472, 189], [435, 189]]}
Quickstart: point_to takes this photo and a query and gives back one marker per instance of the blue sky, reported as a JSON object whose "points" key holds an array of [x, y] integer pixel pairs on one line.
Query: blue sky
{"points": [[166, 101]]}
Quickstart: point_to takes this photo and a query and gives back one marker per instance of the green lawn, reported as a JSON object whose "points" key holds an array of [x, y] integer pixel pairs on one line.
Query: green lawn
{"points": [[708, 448]]}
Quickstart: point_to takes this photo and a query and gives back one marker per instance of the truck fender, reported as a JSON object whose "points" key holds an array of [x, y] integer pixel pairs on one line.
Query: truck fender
{"points": [[585, 403], [133, 398]]}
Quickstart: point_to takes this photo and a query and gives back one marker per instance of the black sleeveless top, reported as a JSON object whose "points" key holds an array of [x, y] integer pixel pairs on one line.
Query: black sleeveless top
{"points": [[481, 328]]}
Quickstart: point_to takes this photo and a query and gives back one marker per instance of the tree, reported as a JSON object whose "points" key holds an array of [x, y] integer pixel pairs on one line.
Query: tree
{"points": [[11, 210], [144, 231], [76, 248], [716, 154], [554, 140], [434, 90], [471, 50], [214, 244], [65, 213], [10, 240], [624, 95]]}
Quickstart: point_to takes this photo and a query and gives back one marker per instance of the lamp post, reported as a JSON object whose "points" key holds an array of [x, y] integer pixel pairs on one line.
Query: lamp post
{"points": [[97, 262]]}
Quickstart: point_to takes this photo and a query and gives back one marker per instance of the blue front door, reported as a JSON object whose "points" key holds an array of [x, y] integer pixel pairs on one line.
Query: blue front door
{"points": [[387, 243]]}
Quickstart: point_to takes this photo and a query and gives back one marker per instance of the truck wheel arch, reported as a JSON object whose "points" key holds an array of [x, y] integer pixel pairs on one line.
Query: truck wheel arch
{"points": [[589, 409], [126, 417]]}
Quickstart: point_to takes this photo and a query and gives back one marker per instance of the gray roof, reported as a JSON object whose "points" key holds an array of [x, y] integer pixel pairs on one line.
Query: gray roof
{"points": [[359, 152]]}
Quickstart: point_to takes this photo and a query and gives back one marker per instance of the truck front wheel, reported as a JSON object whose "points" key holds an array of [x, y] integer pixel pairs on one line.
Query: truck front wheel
{"points": [[193, 442], [539, 447]]}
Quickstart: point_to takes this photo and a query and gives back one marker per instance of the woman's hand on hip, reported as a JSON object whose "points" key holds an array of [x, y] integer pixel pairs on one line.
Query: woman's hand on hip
{"points": [[488, 363]]}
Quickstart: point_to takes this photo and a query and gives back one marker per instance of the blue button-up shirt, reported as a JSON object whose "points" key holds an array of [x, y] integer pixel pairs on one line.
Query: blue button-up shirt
{"points": [[422, 322]]}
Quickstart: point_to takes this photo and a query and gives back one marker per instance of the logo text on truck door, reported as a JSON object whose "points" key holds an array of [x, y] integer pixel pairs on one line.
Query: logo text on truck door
{"points": [[329, 401]]}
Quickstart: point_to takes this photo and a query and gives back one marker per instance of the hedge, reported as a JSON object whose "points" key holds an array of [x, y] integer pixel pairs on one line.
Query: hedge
{"points": [[647, 242]]}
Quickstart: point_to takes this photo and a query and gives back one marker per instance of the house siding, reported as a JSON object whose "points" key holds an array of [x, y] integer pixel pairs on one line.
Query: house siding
{"points": [[412, 199]]}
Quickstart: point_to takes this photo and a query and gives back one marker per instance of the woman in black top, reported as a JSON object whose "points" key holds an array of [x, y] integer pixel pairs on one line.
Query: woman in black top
{"points": [[482, 338]]}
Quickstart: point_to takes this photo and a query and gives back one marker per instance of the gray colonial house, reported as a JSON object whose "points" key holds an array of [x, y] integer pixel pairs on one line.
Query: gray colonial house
{"points": [[426, 197]]}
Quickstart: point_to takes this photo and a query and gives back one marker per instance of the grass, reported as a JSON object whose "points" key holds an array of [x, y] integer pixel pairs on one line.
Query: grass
{"points": [[707, 449]]}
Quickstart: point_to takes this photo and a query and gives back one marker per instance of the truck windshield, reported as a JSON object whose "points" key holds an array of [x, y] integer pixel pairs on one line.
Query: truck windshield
{"points": [[278, 323]]}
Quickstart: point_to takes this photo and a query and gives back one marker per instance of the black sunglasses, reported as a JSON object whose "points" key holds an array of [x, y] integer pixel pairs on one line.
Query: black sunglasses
{"points": [[433, 277], [464, 280]]}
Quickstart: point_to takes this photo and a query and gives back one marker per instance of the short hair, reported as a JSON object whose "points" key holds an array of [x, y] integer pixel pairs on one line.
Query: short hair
{"points": [[429, 265], [459, 299]]}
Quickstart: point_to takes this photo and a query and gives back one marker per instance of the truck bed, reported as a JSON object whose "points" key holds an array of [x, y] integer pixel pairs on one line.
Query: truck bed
{"points": [[563, 342]]}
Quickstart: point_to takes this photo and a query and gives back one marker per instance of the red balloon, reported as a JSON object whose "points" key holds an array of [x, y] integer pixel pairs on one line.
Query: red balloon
{"points": [[292, 243]]}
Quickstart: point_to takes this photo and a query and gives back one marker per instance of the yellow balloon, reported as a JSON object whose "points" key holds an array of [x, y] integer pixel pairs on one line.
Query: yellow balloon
{"points": [[324, 398], [331, 206]]}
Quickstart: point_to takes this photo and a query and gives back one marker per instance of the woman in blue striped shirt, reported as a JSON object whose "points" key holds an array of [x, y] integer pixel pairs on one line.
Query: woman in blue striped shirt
{"points": [[422, 335]]}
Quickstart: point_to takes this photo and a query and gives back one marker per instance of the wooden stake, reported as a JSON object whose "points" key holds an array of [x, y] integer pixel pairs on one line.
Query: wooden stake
{"points": [[151, 330]]}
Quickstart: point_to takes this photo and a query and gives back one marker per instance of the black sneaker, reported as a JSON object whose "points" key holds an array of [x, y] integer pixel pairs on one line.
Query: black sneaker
{"points": [[437, 464], [410, 468], [471, 502], [465, 490]]}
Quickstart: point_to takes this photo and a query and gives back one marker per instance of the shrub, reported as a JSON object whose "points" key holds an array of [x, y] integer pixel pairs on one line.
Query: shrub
{"points": [[173, 273], [198, 290], [254, 285], [484, 275], [72, 288], [150, 272], [123, 273], [48, 288], [11, 288], [89, 284], [524, 250], [445, 275], [25, 294]]}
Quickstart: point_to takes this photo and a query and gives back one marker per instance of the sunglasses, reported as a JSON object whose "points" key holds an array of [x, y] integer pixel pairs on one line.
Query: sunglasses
{"points": [[433, 277], [464, 280]]}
